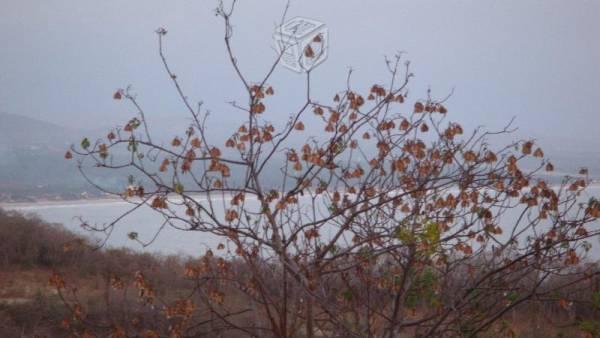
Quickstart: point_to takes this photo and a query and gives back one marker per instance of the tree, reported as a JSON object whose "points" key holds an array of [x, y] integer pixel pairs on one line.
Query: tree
{"points": [[389, 220]]}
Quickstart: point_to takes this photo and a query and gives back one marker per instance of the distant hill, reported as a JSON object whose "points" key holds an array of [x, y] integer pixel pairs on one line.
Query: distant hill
{"points": [[21, 132], [32, 163]]}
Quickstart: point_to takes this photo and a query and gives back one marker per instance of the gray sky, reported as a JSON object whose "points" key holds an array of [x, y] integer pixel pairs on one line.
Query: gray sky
{"points": [[61, 60]]}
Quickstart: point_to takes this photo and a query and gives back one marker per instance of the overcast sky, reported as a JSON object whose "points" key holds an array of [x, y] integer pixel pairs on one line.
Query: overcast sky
{"points": [[538, 60]]}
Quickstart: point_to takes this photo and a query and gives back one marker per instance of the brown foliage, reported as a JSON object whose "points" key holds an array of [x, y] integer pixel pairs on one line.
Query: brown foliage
{"points": [[418, 241]]}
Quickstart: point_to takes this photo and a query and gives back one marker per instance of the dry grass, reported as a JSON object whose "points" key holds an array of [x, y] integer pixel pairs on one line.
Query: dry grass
{"points": [[32, 250]]}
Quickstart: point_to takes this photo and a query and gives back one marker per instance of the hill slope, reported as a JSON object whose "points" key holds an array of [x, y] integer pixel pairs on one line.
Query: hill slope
{"points": [[32, 161]]}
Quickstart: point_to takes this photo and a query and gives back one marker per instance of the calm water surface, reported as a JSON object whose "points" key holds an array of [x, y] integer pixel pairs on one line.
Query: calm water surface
{"points": [[146, 223]]}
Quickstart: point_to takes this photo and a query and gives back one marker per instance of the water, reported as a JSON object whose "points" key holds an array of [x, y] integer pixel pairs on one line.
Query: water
{"points": [[147, 223], [144, 221]]}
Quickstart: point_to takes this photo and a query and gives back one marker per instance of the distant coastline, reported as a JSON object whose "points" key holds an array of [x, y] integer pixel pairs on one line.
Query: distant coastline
{"points": [[110, 199]]}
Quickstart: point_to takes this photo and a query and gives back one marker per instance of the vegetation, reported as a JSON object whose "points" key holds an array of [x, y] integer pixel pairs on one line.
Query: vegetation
{"points": [[31, 251], [30, 307], [387, 220]]}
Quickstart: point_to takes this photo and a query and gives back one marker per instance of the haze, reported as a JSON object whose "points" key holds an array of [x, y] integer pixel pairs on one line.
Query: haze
{"points": [[536, 60]]}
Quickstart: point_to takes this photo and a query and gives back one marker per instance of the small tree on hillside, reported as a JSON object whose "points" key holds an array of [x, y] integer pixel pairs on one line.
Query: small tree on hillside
{"points": [[390, 219]]}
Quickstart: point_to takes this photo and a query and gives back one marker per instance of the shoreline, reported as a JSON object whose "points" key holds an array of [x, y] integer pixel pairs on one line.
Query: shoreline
{"points": [[45, 203], [106, 200], [56, 203]]}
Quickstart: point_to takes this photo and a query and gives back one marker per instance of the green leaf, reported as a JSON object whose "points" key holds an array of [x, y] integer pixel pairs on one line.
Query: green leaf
{"points": [[132, 145], [590, 326], [597, 299], [405, 235], [338, 147], [347, 294], [512, 297], [85, 143], [432, 232], [179, 188]]}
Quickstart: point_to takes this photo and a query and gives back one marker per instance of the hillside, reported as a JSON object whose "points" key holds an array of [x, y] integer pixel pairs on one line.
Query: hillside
{"points": [[32, 251], [32, 164], [20, 132]]}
